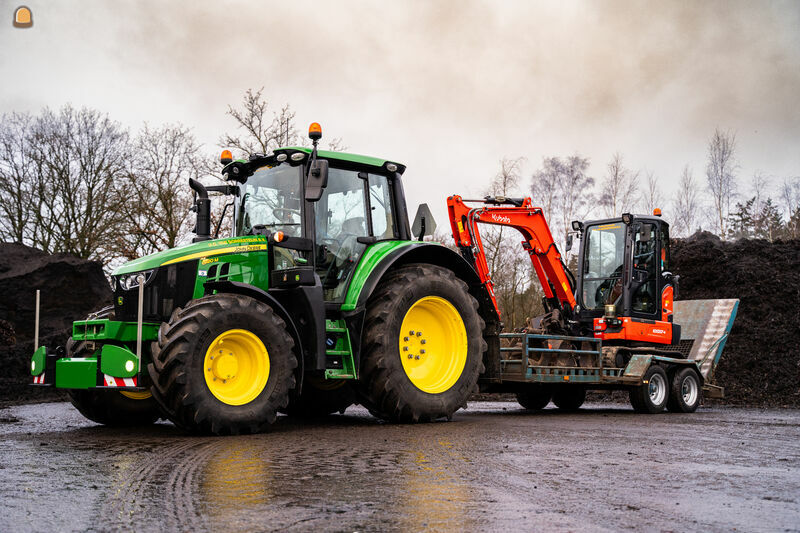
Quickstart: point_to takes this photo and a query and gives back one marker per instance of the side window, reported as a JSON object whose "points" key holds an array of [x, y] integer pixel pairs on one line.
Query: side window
{"points": [[644, 259], [341, 218], [665, 248], [380, 200]]}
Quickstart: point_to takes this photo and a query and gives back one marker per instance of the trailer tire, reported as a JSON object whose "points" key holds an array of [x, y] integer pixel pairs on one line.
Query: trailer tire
{"points": [[535, 397], [238, 392], [569, 397], [420, 382], [685, 394], [651, 396], [321, 397]]}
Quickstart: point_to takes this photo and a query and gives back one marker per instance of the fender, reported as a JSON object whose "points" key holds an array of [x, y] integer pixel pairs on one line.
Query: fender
{"points": [[245, 289]]}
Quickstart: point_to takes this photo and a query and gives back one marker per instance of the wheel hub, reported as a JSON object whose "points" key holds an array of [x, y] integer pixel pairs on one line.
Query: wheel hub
{"points": [[236, 367], [433, 344]]}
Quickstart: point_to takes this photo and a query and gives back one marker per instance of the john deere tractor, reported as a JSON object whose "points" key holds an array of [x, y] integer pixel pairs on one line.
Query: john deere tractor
{"points": [[320, 298]]}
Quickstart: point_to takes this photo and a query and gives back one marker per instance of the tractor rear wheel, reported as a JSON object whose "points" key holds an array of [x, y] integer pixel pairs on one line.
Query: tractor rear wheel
{"points": [[685, 393], [535, 397], [569, 397], [110, 407], [321, 397], [422, 345], [651, 396], [223, 365]]}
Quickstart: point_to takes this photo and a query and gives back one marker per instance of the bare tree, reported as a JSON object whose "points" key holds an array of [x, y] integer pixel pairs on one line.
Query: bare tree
{"points": [[619, 188], [686, 205], [155, 199], [78, 156], [790, 197], [546, 184], [652, 196], [17, 182], [260, 133], [721, 175], [574, 199]]}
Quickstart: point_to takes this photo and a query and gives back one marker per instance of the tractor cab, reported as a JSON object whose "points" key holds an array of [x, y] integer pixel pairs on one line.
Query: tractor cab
{"points": [[624, 277]]}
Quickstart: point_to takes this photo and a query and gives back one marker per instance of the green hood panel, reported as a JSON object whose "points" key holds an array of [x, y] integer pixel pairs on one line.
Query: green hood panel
{"points": [[248, 243]]}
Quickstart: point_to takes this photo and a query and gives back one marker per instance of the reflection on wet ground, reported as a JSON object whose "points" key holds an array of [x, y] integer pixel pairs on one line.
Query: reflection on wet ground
{"points": [[493, 467]]}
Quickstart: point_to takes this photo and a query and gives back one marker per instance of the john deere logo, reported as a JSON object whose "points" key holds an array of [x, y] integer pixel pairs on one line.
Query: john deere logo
{"points": [[119, 300], [23, 18]]}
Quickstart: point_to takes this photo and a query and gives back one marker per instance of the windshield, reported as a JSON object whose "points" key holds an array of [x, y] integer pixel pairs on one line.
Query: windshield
{"points": [[602, 266], [271, 197]]}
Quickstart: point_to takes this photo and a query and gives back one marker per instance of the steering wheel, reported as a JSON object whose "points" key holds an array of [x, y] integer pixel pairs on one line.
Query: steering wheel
{"points": [[286, 211]]}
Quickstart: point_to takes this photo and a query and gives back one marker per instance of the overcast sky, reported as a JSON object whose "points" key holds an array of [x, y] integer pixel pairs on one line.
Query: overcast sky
{"points": [[448, 88]]}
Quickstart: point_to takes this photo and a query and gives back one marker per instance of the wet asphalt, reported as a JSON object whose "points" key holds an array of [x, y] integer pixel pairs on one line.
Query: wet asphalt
{"points": [[494, 467]]}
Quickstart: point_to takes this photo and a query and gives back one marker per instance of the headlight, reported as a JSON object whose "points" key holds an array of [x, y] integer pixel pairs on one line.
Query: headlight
{"points": [[131, 281]]}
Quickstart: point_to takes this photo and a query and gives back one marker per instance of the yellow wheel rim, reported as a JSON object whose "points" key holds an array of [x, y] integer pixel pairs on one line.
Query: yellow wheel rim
{"points": [[236, 367], [136, 395], [433, 344]]}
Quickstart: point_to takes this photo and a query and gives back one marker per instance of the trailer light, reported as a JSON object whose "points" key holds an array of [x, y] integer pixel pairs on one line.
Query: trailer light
{"points": [[278, 236], [298, 156], [281, 157], [226, 157], [129, 366], [391, 167], [315, 131], [566, 378]]}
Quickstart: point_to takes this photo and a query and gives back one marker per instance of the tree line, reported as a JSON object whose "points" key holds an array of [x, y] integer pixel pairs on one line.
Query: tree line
{"points": [[76, 181]]}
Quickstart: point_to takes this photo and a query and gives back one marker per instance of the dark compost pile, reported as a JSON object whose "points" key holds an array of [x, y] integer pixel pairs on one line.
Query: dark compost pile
{"points": [[70, 289], [761, 361]]}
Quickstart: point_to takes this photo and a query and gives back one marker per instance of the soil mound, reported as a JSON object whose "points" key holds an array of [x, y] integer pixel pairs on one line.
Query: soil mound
{"points": [[70, 289], [761, 361]]}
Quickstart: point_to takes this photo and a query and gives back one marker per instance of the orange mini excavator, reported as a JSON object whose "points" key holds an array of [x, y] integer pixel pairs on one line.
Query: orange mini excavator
{"points": [[623, 291]]}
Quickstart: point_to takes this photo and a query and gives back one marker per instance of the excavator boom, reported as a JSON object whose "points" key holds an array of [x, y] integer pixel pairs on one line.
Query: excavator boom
{"points": [[519, 214]]}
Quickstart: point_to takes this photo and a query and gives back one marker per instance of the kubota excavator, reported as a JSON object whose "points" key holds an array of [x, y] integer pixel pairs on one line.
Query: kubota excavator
{"points": [[610, 326]]}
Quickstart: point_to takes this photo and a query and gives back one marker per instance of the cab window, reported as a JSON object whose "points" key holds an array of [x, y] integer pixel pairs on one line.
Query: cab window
{"points": [[602, 267]]}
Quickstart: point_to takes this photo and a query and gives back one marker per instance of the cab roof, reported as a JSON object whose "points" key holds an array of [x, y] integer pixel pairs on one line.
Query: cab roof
{"points": [[357, 159]]}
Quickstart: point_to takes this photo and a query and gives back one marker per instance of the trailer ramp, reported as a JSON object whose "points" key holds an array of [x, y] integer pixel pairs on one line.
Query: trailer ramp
{"points": [[705, 326]]}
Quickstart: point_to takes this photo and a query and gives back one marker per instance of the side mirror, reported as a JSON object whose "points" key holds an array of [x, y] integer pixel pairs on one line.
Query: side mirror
{"points": [[424, 224], [568, 246], [317, 180]]}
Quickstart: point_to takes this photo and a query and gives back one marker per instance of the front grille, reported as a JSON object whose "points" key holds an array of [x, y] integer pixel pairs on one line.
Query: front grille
{"points": [[169, 287]]}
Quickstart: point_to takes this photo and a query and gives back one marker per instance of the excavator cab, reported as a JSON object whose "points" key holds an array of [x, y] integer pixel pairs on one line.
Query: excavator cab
{"points": [[625, 289]]}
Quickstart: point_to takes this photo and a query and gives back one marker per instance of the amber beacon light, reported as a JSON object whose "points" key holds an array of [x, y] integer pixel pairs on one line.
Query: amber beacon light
{"points": [[315, 131], [23, 18]]}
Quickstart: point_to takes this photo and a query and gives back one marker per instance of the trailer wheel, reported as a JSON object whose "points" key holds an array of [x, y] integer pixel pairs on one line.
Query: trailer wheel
{"points": [[651, 396], [535, 397], [422, 345], [685, 393], [223, 365], [321, 397], [569, 397]]}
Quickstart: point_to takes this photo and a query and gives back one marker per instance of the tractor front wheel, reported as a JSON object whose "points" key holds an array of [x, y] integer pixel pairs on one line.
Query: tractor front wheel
{"points": [[223, 365], [422, 345]]}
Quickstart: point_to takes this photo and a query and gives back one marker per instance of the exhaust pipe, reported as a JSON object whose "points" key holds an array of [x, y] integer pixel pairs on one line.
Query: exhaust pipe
{"points": [[36, 323], [202, 207]]}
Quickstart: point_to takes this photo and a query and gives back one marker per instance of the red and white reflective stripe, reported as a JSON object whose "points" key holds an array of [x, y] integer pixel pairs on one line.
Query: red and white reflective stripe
{"points": [[111, 381], [39, 380]]}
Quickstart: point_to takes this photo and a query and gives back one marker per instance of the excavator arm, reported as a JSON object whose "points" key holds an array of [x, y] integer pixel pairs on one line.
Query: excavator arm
{"points": [[519, 214]]}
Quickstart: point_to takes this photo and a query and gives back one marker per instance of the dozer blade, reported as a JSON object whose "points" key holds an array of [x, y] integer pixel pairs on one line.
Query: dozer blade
{"points": [[705, 325]]}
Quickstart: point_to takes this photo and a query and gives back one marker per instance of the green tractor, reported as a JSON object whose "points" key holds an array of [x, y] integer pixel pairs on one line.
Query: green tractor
{"points": [[319, 299]]}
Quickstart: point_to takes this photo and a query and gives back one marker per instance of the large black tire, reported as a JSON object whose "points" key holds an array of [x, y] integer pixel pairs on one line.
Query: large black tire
{"points": [[110, 407], [685, 392], [321, 397], [569, 397], [178, 370], [384, 386], [651, 396], [535, 397]]}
